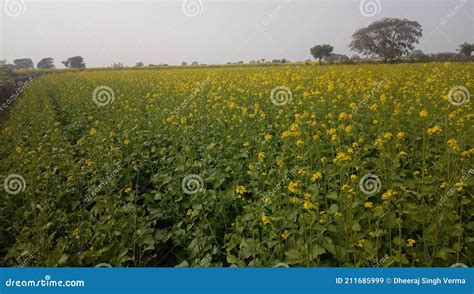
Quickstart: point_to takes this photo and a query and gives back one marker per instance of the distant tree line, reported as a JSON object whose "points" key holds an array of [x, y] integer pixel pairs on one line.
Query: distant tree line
{"points": [[388, 39], [45, 63]]}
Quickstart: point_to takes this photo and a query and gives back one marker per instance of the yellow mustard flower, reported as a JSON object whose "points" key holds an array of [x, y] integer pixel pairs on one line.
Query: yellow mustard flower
{"points": [[401, 135], [308, 205], [389, 194], [453, 144], [293, 186], [354, 178], [265, 220], [240, 190], [434, 130], [387, 136]]}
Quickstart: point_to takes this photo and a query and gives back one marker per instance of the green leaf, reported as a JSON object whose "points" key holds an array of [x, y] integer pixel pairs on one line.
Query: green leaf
{"points": [[332, 195], [356, 227], [317, 251], [294, 255]]}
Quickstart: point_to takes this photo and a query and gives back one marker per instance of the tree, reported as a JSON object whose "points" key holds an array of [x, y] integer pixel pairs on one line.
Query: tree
{"points": [[195, 63], [74, 62], [117, 65], [321, 51], [140, 64], [466, 49], [46, 63], [334, 57], [417, 54], [388, 38], [355, 57], [23, 63], [184, 63]]}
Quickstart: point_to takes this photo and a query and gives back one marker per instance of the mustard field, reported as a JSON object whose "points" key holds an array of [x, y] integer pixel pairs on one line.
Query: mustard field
{"points": [[346, 165]]}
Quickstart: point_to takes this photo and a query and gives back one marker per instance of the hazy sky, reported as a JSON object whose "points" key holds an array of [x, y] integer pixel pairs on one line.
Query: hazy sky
{"points": [[210, 32]]}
